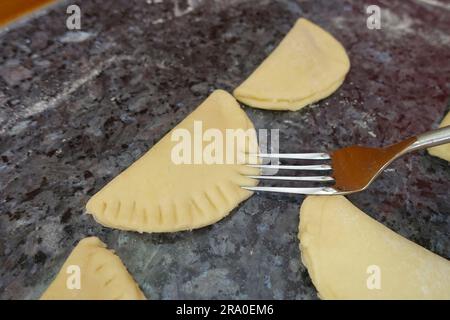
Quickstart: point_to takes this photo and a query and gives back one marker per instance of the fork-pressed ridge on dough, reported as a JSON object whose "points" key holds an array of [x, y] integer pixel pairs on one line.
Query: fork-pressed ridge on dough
{"points": [[156, 195]]}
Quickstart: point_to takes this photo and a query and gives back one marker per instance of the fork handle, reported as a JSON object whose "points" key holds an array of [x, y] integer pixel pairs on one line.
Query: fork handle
{"points": [[430, 139]]}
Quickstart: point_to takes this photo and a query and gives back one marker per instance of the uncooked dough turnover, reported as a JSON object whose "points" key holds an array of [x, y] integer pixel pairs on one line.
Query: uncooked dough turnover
{"points": [[342, 248], [157, 195], [308, 65], [102, 276]]}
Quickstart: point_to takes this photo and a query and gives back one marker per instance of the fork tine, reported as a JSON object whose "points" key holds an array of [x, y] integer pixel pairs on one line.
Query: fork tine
{"points": [[317, 191], [299, 156], [292, 178], [291, 167]]}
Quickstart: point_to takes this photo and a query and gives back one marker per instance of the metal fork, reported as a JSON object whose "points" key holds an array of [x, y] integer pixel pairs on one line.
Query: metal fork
{"points": [[353, 168]]}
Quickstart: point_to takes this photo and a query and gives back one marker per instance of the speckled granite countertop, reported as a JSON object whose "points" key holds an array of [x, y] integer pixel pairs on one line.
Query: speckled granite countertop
{"points": [[76, 109]]}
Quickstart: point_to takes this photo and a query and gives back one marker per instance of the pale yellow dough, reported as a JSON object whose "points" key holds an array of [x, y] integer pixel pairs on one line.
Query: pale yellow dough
{"points": [[308, 65], [156, 195], [102, 274], [338, 243], [442, 151]]}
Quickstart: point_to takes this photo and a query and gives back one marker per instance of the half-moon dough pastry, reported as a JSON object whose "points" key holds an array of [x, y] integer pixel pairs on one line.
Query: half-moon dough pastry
{"points": [[308, 65], [102, 276], [442, 151], [157, 195], [343, 248]]}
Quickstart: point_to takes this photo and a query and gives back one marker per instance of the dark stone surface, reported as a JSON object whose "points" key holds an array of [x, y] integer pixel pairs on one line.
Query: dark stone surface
{"points": [[76, 109]]}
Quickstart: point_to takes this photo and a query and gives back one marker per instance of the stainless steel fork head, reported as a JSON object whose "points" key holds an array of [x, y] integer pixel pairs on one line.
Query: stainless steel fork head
{"points": [[353, 168]]}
